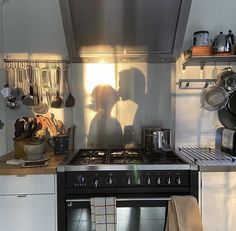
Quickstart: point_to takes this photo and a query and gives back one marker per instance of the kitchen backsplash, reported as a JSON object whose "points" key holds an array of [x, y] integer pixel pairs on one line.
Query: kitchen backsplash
{"points": [[149, 96], [146, 100]]}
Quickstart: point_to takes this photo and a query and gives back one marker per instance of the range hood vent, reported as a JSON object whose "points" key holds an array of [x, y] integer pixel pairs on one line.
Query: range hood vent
{"points": [[124, 30]]}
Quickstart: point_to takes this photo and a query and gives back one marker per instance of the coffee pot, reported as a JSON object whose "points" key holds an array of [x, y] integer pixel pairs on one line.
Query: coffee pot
{"points": [[223, 43]]}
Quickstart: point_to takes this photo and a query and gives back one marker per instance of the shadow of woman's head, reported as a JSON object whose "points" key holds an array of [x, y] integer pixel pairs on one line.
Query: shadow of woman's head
{"points": [[104, 97]]}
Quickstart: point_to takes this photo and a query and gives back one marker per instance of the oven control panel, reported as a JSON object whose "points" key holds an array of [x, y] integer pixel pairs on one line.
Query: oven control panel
{"points": [[145, 178]]}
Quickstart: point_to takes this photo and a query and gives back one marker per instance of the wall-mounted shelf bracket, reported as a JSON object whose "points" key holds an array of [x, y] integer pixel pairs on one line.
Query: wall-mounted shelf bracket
{"points": [[202, 65], [195, 84]]}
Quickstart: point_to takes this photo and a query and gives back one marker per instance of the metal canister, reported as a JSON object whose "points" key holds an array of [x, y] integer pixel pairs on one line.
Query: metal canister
{"points": [[157, 139], [201, 38]]}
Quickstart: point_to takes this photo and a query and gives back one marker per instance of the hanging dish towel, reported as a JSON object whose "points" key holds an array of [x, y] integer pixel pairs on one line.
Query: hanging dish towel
{"points": [[103, 214], [183, 214]]}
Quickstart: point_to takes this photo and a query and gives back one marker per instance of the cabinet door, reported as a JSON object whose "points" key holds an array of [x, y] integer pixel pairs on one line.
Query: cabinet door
{"points": [[27, 213], [151, 25], [219, 201], [98, 25]]}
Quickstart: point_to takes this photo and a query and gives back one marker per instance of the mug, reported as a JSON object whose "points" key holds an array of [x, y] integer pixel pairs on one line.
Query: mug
{"points": [[59, 144]]}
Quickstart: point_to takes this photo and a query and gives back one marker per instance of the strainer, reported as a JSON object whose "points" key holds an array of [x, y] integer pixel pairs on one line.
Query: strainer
{"points": [[214, 98]]}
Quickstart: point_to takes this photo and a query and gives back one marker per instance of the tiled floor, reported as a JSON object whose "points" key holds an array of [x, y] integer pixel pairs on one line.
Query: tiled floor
{"points": [[128, 219]]}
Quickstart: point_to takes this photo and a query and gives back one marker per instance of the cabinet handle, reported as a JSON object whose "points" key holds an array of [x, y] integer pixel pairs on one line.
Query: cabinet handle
{"points": [[22, 195], [21, 175]]}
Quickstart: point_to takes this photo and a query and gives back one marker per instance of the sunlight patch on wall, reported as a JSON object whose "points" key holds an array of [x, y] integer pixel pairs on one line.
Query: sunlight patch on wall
{"points": [[95, 74], [98, 73]]}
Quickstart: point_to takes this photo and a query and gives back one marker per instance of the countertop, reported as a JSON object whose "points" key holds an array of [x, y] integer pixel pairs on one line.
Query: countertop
{"points": [[54, 161]]}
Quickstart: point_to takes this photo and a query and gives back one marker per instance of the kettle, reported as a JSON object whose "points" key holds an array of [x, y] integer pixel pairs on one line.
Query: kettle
{"points": [[223, 43], [157, 139]]}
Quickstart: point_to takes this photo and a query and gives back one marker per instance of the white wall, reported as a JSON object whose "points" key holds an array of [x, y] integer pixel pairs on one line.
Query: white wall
{"points": [[3, 145], [34, 27]]}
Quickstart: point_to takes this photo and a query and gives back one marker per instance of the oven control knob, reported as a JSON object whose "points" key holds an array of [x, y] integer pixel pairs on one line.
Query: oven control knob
{"points": [[80, 179], [148, 180], [110, 181], [96, 182], [168, 180], [178, 180], [128, 180], [159, 180]]}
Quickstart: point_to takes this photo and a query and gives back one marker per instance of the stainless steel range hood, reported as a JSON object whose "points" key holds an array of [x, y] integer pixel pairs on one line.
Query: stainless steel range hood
{"points": [[124, 30]]}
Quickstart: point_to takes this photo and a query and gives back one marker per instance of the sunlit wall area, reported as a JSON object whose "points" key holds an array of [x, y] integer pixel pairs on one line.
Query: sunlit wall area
{"points": [[117, 100]]}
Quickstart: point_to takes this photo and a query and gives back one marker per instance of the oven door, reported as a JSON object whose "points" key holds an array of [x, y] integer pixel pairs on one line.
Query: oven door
{"points": [[132, 214]]}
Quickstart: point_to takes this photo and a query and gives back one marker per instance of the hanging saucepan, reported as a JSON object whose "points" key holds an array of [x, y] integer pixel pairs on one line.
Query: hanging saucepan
{"points": [[227, 118], [227, 79], [214, 98], [232, 103]]}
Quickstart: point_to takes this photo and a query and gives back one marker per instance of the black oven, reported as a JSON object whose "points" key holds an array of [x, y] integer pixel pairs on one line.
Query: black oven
{"points": [[141, 196]]}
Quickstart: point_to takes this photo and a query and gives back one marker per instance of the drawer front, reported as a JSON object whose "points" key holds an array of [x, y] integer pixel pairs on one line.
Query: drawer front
{"points": [[27, 213], [27, 184]]}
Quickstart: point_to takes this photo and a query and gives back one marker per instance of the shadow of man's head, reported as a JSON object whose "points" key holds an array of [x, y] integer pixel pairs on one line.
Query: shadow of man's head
{"points": [[132, 84]]}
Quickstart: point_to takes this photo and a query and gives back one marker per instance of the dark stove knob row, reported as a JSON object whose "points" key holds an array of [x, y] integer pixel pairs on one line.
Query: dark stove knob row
{"points": [[80, 181], [168, 181], [158, 181]]}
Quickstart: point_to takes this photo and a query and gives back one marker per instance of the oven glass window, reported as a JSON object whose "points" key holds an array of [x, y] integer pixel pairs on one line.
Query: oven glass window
{"points": [[140, 219], [128, 218]]}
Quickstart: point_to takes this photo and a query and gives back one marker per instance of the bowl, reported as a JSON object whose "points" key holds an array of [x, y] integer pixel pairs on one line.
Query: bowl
{"points": [[34, 150]]}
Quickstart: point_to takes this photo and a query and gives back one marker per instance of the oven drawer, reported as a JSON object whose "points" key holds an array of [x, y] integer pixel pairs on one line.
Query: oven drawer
{"points": [[27, 184]]}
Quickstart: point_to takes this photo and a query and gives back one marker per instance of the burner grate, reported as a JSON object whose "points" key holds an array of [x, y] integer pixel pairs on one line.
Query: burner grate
{"points": [[124, 156]]}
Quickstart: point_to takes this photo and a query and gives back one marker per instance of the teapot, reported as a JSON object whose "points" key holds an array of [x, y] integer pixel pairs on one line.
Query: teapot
{"points": [[223, 43]]}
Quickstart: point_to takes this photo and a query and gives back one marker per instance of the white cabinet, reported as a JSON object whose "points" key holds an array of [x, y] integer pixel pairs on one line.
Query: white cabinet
{"points": [[27, 203], [218, 201]]}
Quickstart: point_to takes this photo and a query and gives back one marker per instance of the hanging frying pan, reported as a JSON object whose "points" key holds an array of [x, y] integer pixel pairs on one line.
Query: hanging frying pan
{"points": [[227, 118], [232, 103]]}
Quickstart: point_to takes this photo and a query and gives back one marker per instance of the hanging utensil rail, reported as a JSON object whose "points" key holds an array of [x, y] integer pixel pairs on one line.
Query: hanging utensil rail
{"points": [[35, 61]]}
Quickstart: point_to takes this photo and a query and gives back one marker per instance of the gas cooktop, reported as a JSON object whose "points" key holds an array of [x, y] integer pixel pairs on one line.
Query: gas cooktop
{"points": [[124, 156]]}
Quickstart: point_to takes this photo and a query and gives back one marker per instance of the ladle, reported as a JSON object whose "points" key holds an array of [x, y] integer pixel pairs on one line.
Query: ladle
{"points": [[28, 100], [70, 100], [57, 101], [42, 107]]}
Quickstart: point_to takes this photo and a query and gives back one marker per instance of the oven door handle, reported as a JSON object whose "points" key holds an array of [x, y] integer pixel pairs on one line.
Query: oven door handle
{"points": [[124, 199]]}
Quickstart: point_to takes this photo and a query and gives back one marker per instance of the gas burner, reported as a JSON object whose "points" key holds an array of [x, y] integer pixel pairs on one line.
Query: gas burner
{"points": [[90, 156], [168, 157], [125, 152], [124, 156]]}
